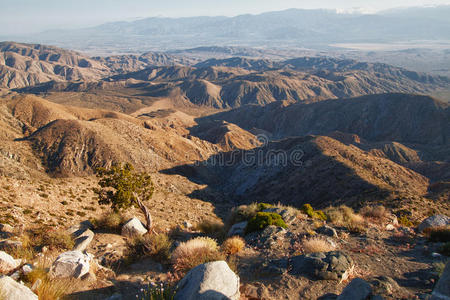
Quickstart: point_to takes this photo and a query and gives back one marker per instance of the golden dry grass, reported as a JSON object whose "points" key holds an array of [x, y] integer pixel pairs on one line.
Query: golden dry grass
{"points": [[233, 245], [316, 244], [345, 216], [195, 252]]}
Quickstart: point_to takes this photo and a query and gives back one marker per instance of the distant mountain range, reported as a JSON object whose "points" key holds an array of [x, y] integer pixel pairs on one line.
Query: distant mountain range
{"points": [[293, 27]]}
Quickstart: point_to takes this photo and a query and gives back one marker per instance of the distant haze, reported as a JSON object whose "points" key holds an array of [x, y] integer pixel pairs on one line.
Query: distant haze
{"points": [[28, 16]]}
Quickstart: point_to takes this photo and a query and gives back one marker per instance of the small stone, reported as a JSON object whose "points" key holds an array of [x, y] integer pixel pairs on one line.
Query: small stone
{"points": [[327, 230], [187, 225], [390, 227], [238, 229]]}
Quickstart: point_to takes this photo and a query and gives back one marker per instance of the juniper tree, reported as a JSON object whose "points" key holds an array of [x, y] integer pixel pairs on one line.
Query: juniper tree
{"points": [[122, 187]]}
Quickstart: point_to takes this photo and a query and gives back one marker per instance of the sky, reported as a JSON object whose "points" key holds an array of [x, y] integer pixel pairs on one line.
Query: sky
{"points": [[29, 16]]}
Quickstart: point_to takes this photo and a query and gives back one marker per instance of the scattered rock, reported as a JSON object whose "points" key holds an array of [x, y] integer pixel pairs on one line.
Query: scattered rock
{"points": [[357, 289], [327, 230], [238, 229], [12, 290], [434, 221], [442, 289], [268, 238], [8, 263], [214, 280], [6, 228], [82, 239], [334, 265], [133, 228], [71, 264], [255, 291]]}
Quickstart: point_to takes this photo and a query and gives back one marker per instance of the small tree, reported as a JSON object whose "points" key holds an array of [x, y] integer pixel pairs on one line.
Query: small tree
{"points": [[122, 187]]}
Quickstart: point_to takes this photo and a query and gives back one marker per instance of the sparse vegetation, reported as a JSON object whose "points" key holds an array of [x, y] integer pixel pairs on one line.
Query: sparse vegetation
{"points": [[45, 236], [156, 245], [195, 252], [233, 245], [264, 219], [242, 213]]}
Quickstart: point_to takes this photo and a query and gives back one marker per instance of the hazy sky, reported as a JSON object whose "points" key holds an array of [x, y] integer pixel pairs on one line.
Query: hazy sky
{"points": [[27, 16]]}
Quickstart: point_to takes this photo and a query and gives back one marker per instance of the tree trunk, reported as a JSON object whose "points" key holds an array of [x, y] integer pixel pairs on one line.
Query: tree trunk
{"points": [[146, 212]]}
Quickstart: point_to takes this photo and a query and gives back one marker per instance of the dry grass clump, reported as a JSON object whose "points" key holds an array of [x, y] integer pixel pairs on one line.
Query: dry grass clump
{"points": [[195, 252], [378, 212], [110, 221], [155, 245], [233, 245], [210, 227], [345, 216], [316, 244]]}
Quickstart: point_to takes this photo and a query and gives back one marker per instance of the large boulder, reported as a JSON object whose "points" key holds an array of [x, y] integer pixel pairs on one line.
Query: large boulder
{"points": [[8, 263], [133, 228], [434, 221], [442, 289], [357, 289], [334, 265], [12, 290], [71, 264], [210, 281]]}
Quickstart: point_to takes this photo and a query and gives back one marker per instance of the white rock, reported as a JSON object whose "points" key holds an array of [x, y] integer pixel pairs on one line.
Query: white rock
{"points": [[83, 239], [210, 281], [133, 228], [73, 264], [12, 290], [7, 262]]}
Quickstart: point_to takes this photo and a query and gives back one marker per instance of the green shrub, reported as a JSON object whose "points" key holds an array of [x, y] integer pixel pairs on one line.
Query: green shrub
{"points": [[264, 219], [315, 214]]}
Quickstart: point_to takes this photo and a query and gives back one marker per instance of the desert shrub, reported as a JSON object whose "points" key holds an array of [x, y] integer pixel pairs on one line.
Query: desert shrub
{"points": [[375, 212], [345, 216], [210, 227], [404, 221], [110, 221], [264, 219], [195, 252], [233, 245], [315, 214], [316, 244], [439, 267], [438, 234], [158, 293], [445, 249]]}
